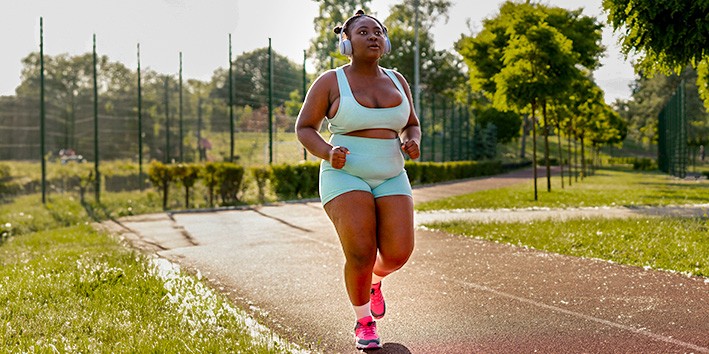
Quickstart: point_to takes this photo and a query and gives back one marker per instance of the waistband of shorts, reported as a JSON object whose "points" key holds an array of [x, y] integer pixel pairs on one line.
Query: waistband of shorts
{"points": [[372, 146]]}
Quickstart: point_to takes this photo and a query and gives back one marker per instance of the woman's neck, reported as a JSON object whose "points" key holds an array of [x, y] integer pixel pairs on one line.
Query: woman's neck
{"points": [[365, 68]]}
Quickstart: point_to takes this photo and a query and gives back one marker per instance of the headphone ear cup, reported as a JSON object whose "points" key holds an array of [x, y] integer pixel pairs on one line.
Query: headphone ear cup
{"points": [[387, 45], [346, 47]]}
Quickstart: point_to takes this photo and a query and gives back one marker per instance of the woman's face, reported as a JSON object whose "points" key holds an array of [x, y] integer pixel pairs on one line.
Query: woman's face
{"points": [[367, 38]]}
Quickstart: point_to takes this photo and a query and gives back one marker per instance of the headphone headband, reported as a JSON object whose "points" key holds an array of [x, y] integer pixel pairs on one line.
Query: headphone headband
{"points": [[346, 45]]}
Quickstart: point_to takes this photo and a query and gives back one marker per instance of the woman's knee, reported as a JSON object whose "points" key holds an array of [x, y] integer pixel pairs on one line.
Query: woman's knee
{"points": [[361, 257], [396, 258]]}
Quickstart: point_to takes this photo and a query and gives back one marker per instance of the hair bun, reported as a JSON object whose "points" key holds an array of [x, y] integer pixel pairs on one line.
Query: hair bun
{"points": [[337, 29], [359, 12]]}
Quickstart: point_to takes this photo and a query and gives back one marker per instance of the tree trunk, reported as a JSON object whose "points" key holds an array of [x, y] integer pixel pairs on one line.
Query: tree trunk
{"points": [[164, 195], [525, 131], [570, 151], [546, 145], [534, 150], [561, 154], [583, 159]]}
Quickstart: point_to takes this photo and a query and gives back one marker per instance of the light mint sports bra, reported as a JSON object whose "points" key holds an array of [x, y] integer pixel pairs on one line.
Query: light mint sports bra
{"points": [[352, 116]]}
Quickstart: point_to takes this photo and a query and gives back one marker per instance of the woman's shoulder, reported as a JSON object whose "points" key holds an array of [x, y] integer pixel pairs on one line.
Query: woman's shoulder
{"points": [[396, 73], [326, 78]]}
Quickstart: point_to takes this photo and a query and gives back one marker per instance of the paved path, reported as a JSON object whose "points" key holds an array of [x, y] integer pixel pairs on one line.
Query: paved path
{"points": [[456, 295]]}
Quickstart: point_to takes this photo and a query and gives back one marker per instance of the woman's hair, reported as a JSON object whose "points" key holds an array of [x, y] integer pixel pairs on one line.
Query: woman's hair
{"points": [[350, 21]]}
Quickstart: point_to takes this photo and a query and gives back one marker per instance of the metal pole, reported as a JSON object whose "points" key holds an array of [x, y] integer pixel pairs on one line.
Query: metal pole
{"points": [[199, 129], [270, 102], [231, 106], [422, 125], [167, 122], [96, 147], [444, 150], [41, 111], [305, 57], [433, 127], [140, 128], [182, 139], [417, 86]]}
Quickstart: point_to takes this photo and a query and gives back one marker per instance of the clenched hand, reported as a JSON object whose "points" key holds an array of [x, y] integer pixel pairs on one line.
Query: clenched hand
{"points": [[338, 156], [411, 148]]}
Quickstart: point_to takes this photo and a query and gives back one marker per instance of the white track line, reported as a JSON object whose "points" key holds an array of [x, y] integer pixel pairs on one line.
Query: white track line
{"points": [[654, 336]]}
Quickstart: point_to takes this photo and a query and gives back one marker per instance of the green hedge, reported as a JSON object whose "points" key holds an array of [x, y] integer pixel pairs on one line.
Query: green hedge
{"points": [[639, 163], [436, 172], [295, 181], [224, 182], [221, 178]]}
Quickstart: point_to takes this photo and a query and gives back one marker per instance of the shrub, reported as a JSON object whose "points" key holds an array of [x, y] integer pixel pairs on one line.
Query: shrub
{"points": [[295, 181], [261, 176], [209, 178], [187, 174], [229, 177], [160, 176], [7, 188]]}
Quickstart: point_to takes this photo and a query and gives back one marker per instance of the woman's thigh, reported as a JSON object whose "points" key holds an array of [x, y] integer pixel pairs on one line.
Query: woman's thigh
{"points": [[354, 217], [395, 226]]}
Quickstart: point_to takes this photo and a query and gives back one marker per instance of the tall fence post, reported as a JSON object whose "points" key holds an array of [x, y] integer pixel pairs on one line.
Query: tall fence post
{"points": [[270, 102], [444, 141], [167, 119], [140, 128], [41, 111], [433, 127], [231, 105], [96, 142], [180, 114]]}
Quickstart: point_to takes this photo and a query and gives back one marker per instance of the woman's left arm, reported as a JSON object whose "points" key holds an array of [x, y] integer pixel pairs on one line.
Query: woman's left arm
{"points": [[411, 134]]}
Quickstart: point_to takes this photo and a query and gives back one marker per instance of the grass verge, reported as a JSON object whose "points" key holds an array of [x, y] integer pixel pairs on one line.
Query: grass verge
{"points": [[74, 289], [680, 245], [606, 188]]}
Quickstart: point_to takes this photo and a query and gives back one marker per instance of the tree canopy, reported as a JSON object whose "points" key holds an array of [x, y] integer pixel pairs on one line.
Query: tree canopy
{"points": [[665, 35]]}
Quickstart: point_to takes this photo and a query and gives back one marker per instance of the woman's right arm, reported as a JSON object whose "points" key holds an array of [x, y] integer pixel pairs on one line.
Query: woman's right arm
{"points": [[310, 118]]}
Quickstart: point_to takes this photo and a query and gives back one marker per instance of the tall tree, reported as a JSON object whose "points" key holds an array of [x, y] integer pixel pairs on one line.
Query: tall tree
{"points": [[441, 71], [538, 66], [332, 13], [664, 35], [485, 51], [251, 79]]}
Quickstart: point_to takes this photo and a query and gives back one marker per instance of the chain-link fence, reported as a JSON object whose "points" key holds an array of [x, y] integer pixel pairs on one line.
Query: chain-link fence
{"points": [[672, 147], [245, 113]]}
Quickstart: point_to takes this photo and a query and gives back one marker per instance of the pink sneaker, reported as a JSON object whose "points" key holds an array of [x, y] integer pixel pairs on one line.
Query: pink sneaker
{"points": [[377, 305], [366, 334]]}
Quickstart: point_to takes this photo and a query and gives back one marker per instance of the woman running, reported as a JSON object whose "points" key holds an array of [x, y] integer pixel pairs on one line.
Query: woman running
{"points": [[363, 185]]}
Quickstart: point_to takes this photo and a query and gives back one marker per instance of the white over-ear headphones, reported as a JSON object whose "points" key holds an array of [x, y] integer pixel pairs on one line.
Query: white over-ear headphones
{"points": [[346, 45]]}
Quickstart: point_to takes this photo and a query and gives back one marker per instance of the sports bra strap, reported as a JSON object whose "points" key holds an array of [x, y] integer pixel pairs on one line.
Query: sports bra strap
{"points": [[342, 83], [396, 81]]}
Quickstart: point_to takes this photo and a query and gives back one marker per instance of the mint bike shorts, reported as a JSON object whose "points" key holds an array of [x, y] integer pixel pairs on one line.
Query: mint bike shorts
{"points": [[373, 165]]}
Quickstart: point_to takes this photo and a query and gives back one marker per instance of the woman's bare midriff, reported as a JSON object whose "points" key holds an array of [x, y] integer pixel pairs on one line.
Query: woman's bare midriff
{"points": [[374, 133]]}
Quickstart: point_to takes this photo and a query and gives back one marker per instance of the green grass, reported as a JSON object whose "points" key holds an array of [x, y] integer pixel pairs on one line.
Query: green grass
{"points": [[606, 188], [675, 244], [66, 287], [76, 290], [26, 214]]}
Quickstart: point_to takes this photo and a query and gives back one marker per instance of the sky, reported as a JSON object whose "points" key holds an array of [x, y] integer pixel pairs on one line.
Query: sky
{"points": [[200, 30]]}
